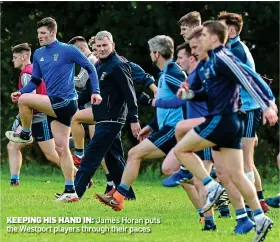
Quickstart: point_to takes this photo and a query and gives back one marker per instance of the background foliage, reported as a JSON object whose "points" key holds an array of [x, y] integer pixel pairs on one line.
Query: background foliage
{"points": [[132, 24]]}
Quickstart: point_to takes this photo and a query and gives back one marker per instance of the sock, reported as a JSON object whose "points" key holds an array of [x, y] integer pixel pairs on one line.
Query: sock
{"points": [[69, 187], [251, 176], [224, 210], [209, 221], [248, 210], [241, 215], [14, 179], [25, 133], [200, 213], [123, 189], [109, 178], [209, 183], [260, 196], [258, 214], [79, 152]]}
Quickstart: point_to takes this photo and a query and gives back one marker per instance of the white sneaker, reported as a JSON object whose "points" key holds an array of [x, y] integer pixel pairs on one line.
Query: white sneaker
{"points": [[212, 197], [262, 228], [15, 137], [67, 197]]}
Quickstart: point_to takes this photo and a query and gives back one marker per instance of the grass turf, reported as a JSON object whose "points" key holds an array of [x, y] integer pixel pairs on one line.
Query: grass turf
{"points": [[161, 214]]}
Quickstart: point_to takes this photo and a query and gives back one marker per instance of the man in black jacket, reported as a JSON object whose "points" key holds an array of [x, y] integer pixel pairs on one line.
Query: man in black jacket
{"points": [[118, 104]]}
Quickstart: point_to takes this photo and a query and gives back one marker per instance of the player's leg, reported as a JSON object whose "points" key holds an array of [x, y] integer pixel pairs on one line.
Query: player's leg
{"points": [[156, 145], [26, 103], [78, 132], [186, 125], [246, 188]]}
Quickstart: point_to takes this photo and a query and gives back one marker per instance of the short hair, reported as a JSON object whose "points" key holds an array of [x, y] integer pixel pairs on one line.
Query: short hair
{"points": [[91, 41], [185, 46], [102, 34], [195, 33], [20, 48], [191, 19], [233, 19], [48, 22], [76, 39], [163, 44], [217, 28]]}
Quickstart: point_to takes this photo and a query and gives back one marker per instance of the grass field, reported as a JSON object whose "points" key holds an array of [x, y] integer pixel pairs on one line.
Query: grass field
{"points": [[173, 216]]}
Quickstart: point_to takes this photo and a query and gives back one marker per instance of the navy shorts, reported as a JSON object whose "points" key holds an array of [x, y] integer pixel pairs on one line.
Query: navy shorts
{"points": [[205, 154], [164, 139], [42, 131], [225, 131], [64, 110], [252, 122]]}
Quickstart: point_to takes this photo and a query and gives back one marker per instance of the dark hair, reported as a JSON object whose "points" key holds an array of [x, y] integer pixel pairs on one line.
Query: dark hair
{"points": [[217, 28], [76, 39], [191, 19], [233, 19], [185, 46], [195, 33], [21, 48], [48, 22]]}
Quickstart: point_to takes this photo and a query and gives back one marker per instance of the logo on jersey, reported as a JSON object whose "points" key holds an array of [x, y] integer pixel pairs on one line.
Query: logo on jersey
{"points": [[103, 76], [55, 57], [42, 59]]}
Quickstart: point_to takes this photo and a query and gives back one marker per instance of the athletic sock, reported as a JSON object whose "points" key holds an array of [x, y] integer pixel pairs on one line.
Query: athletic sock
{"points": [[123, 189], [260, 195], [69, 187], [241, 215], [224, 210], [25, 134], [258, 215], [209, 183], [79, 152], [199, 212], [248, 211], [15, 179], [209, 221]]}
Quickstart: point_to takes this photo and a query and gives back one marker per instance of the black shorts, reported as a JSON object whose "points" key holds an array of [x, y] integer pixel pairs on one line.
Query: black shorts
{"points": [[164, 139], [225, 131], [64, 110], [205, 154], [42, 131], [252, 122]]}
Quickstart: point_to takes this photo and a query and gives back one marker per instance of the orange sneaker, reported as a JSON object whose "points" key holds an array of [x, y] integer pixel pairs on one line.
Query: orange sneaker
{"points": [[114, 201], [111, 192], [77, 160], [264, 206]]}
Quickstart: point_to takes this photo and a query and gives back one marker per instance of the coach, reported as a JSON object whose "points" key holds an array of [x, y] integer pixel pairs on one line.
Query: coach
{"points": [[118, 104]]}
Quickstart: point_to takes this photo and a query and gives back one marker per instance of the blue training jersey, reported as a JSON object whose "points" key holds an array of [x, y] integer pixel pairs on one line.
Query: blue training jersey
{"points": [[194, 108], [242, 52], [220, 88], [54, 63], [168, 84]]}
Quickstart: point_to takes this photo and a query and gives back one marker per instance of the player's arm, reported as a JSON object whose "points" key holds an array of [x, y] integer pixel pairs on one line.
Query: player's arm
{"points": [[139, 76], [228, 67], [174, 102], [25, 78], [122, 76], [78, 57]]}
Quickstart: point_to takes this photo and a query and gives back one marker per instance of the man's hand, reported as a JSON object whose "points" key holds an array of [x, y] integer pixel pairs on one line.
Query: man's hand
{"points": [[15, 96], [273, 106], [96, 99], [270, 116], [144, 133], [135, 129]]}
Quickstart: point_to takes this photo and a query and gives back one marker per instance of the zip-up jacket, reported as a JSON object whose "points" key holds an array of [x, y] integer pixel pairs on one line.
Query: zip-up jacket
{"points": [[117, 91]]}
